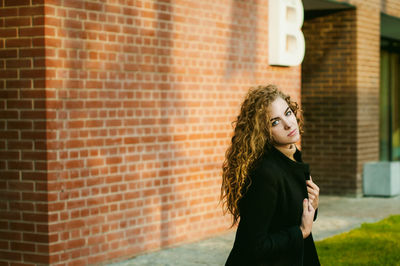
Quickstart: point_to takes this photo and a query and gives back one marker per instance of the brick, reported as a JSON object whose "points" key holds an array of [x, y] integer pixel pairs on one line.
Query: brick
{"points": [[10, 256], [19, 125], [10, 175], [8, 94], [9, 155], [41, 94], [27, 227], [4, 245], [17, 22], [34, 73], [33, 135], [19, 246], [44, 259], [19, 104], [11, 235], [73, 24], [31, 31], [7, 33], [75, 4], [18, 84], [18, 63], [34, 217], [20, 186], [17, 2], [8, 53], [34, 176], [17, 145], [8, 12], [32, 115], [93, 6], [30, 11], [72, 244], [7, 74], [32, 52], [9, 114]]}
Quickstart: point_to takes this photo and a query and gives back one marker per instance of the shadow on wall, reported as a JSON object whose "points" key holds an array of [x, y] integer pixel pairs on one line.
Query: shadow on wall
{"points": [[167, 94], [115, 128], [242, 53]]}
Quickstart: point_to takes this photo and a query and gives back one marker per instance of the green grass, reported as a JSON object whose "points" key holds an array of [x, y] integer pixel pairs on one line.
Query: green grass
{"points": [[371, 244]]}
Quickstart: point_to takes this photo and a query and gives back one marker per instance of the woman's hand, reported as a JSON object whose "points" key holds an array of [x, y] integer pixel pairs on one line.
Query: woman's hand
{"points": [[307, 218], [313, 193]]}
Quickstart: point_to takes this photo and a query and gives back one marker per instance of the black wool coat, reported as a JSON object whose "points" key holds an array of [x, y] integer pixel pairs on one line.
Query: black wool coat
{"points": [[270, 215]]}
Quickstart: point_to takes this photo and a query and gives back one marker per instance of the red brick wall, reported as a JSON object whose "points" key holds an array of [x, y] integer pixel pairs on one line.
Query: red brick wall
{"points": [[340, 95], [119, 150], [329, 91], [23, 167], [368, 88]]}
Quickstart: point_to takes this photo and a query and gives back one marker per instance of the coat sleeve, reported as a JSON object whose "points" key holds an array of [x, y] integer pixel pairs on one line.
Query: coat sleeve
{"points": [[261, 205]]}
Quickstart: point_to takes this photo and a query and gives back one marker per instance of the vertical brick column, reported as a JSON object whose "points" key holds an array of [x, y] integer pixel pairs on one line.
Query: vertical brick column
{"points": [[340, 95], [23, 187], [368, 87], [329, 97]]}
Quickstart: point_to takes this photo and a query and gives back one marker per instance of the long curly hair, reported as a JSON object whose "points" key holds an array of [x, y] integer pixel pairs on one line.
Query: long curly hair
{"points": [[252, 135]]}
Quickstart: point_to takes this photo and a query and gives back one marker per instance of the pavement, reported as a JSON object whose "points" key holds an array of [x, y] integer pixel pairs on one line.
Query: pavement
{"points": [[335, 215]]}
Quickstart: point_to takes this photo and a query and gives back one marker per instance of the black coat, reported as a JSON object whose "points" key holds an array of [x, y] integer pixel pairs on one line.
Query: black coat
{"points": [[270, 215]]}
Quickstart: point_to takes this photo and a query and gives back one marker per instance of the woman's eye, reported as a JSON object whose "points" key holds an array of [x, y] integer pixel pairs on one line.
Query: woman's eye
{"points": [[275, 123], [288, 113]]}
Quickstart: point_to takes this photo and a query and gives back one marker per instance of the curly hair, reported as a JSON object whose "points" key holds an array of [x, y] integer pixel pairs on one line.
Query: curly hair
{"points": [[251, 136]]}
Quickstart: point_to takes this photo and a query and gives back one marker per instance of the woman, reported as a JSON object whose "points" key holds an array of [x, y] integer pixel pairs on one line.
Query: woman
{"points": [[267, 186]]}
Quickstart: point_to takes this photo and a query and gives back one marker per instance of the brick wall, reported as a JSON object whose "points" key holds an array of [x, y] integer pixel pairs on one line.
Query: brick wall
{"points": [[391, 7], [340, 85], [368, 88], [115, 119], [329, 93], [23, 186]]}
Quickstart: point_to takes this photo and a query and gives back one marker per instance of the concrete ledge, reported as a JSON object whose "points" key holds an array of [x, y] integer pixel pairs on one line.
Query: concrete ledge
{"points": [[381, 179]]}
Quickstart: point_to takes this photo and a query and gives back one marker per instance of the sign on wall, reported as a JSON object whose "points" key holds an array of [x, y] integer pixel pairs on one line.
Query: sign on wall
{"points": [[286, 40]]}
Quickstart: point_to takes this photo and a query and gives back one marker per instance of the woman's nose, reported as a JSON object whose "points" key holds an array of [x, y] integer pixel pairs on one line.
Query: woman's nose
{"points": [[286, 124]]}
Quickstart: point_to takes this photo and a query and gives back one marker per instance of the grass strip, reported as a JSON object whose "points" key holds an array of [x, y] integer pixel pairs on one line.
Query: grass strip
{"points": [[371, 244]]}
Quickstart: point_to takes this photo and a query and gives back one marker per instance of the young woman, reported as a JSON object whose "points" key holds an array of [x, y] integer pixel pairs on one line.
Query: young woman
{"points": [[266, 186]]}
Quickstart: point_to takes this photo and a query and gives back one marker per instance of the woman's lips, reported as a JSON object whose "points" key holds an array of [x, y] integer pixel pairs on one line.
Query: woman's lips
{"points": [[292, 133]]}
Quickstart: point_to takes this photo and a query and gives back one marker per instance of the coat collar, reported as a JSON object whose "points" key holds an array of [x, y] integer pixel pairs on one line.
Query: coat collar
{"points": [[294, 165]]}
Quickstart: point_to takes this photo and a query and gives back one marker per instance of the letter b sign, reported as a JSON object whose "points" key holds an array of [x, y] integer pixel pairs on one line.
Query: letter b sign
{"points": [[286, 41]]}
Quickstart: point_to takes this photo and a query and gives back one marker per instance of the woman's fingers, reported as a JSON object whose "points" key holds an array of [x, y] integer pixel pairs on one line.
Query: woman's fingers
{"points": [[307, 206], [311, 207], [312, 192], [311, 184], [310, 189]]}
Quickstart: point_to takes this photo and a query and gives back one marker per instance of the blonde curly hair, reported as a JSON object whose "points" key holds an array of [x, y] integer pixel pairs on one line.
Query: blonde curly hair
{"points": [[252, 135]]}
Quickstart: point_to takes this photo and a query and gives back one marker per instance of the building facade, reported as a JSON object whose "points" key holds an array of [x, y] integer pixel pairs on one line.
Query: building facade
{"points": [[115, 115], [115, 119], [351, 65]]}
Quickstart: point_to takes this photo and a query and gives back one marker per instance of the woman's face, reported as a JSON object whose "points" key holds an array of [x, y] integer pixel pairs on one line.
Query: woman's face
{"points": [[284, 127]]}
